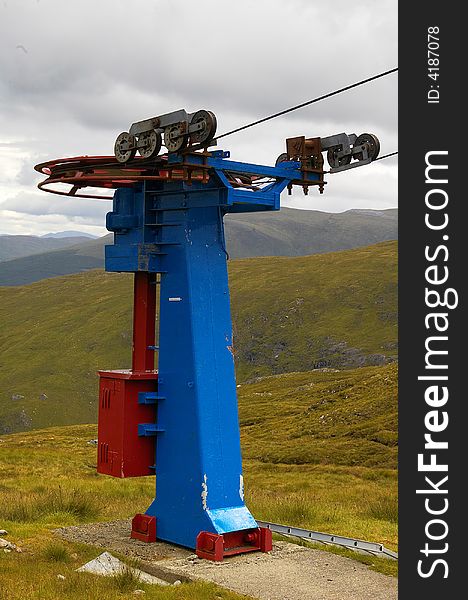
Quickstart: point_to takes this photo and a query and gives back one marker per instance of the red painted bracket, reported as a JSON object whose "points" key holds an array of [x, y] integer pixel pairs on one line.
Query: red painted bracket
{"points": [[144, 528], [213, 546]]}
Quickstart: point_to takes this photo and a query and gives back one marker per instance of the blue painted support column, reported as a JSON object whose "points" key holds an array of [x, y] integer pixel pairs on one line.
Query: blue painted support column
{"points": [[175, 228], [198, 459]]}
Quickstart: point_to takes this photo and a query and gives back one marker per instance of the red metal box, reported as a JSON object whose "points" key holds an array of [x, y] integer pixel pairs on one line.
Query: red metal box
{"points": [[121, 451]]}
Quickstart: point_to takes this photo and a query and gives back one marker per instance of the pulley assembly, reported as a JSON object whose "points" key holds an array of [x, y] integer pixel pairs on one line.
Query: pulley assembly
{"points": [[341, 149], [175, 130], [188, 137], [180, 130]]}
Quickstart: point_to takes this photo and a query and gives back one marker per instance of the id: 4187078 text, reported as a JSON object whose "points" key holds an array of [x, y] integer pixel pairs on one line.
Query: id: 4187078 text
{"points": [[433, 64]]}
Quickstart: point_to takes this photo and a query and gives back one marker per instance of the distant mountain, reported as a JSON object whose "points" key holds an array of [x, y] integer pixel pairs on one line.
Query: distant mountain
{"points": [[17, 246], [66, 234], [291, 232], [288, 232], [74, 259]]}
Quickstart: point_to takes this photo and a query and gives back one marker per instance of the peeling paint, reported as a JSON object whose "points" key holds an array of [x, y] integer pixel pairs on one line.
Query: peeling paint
{"points": [[204, 493], [241, 487], [231, 349], [143, 258]]}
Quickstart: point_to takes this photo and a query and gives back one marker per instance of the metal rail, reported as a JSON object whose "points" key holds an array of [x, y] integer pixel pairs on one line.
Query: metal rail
{"points": [[327, 538]]}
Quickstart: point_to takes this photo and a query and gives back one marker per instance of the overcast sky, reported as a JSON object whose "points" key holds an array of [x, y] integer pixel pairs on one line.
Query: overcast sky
{"points": [[74, 74]]}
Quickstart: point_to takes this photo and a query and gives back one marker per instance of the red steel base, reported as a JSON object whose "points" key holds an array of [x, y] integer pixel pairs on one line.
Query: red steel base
{"points": [[213, 546], [144, 528]]}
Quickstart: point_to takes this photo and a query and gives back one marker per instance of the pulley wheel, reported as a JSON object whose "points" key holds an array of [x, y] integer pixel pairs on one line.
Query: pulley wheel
{"points": [[281, 158], [176, 143], [207, 132], [372, 141], [121, 150], [149, 143], [336, 161]]}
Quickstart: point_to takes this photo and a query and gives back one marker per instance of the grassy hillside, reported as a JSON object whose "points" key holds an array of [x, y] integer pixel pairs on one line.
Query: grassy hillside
{"points": [[331, 310], [288, 232], [322, 417], [290, 314], [319, 452]]}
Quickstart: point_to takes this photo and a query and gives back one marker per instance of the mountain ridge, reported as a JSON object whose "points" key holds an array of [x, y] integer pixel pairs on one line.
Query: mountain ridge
{"points": [[13, 247], [69, 233], [289, 232]]}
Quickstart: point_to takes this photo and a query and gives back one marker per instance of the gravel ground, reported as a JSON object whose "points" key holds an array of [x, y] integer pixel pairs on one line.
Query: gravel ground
{"points": [[115, 535], [289, 572]]}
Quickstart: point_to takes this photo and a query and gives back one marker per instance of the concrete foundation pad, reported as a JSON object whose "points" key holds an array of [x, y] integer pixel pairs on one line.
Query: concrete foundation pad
{"points": [[289, 572]]}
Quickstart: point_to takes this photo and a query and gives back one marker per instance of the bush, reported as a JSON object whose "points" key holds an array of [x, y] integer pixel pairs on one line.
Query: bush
{"points": [[126, 580], [31, 508], [384, 508], [56, 552]]}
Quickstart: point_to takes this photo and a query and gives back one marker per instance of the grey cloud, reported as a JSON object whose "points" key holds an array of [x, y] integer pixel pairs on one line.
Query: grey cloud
{"points": [[47, 204], [93, 68], [26, 175], [260, 57]]}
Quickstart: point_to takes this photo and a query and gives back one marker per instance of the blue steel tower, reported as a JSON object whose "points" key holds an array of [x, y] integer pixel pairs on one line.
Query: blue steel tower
{"points": [[180, 422], [175, 230]]}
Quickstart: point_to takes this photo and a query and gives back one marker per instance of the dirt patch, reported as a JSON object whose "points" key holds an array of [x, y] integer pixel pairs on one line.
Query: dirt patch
{"points": [[115, 535], [289, 572]]}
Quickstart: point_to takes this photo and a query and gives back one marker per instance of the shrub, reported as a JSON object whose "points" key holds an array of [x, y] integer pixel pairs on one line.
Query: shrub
{"points": [[56, 552], [32, 507]]}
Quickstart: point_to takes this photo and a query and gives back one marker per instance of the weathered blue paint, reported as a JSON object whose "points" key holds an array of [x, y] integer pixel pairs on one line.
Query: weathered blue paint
{"points": [[177, 230]]}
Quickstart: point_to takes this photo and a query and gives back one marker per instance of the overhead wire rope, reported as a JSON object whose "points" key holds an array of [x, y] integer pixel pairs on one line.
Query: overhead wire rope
{"points": [[309, 102], [385, 156]]}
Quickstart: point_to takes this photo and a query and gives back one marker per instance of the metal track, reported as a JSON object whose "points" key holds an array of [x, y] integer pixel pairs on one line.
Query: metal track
{"points": [[327, 538]]}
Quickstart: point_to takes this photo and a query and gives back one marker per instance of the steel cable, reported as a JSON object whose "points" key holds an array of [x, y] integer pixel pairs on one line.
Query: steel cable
{"points": [[288, 110]]}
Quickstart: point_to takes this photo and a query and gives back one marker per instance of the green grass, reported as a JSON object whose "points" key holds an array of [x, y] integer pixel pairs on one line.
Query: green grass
{"points": [[338, 418], [339, 500], [330, 310], [343, 481], [319, 447], [56, 552], [290, 314], [126, 580], [42, 583], [44, 503], [48, 480]]}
